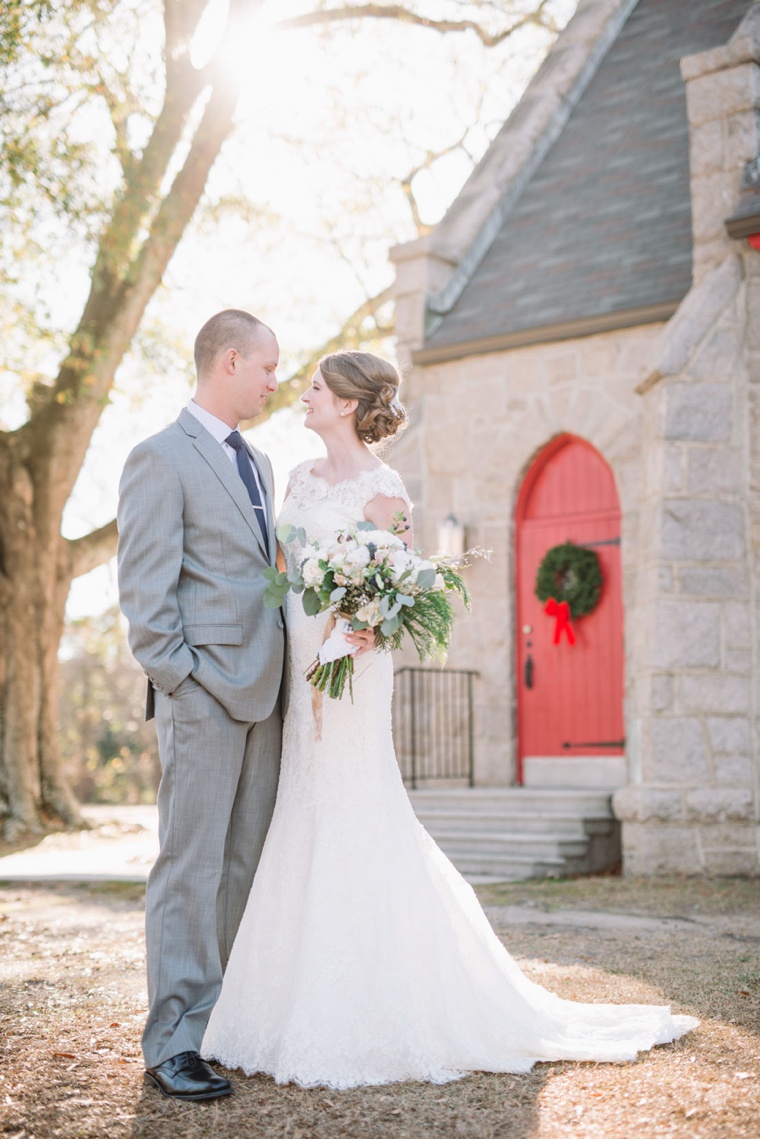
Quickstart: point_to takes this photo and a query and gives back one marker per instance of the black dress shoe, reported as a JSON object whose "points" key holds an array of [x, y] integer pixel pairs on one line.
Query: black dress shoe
{"points": [[186, 1076]]}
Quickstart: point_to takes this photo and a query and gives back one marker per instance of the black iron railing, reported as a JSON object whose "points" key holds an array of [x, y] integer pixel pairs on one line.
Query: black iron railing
{"points": [[432, 724]]}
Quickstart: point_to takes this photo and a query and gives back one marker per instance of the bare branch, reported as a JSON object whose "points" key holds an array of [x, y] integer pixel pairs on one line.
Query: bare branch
{"points": [[92, 550], [404, 15]]}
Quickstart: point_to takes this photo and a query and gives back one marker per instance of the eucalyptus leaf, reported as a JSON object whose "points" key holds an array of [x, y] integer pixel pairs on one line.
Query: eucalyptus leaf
{"points": [[338, 593], [426, 578], [311, 603], [272, 600]]}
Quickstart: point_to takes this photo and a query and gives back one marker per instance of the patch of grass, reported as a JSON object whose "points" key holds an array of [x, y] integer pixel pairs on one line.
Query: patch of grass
{"points": [[658, 897]]}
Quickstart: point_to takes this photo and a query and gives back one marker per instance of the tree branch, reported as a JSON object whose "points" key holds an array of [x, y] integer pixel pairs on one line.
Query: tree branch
{"points": [[92, 550], [404, 15]]}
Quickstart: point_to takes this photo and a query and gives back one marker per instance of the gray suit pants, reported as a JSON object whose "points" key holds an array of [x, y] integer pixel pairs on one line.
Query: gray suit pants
{"points": [[215, 803]]}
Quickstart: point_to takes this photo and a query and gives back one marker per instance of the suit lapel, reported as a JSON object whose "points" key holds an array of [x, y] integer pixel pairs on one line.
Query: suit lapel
{"points": [[225, 471]]}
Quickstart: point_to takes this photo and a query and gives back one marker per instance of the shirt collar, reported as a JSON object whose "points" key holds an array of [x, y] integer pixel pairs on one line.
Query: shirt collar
{"points": [[216, 427]]}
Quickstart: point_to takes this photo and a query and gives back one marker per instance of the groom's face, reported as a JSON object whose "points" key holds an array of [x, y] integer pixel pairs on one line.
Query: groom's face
{"points": [[254, 377]]}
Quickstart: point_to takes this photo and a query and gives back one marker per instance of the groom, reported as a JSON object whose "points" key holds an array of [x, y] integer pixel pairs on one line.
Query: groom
{"points": [[196, 532]]}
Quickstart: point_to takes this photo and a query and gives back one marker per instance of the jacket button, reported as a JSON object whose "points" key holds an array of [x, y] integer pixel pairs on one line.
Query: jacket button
{"points": [[280, 624]]}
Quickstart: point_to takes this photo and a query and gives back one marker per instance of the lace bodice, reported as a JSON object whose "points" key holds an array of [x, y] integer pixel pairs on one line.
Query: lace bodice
{"points": [[322, 508]]}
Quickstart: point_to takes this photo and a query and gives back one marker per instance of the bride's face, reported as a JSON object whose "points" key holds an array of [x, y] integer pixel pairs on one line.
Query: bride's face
{"points": [[324, 411]]}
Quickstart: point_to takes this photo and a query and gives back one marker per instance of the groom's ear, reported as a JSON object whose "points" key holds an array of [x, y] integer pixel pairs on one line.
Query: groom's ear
{"points": [[229, 361]]}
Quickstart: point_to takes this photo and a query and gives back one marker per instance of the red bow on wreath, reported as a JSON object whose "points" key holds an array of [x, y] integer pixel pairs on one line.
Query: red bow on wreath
{"points": [[560, 610]]}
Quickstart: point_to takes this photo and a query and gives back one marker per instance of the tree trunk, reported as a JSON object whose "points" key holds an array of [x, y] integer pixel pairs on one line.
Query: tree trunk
{"points": [[32, 600]]}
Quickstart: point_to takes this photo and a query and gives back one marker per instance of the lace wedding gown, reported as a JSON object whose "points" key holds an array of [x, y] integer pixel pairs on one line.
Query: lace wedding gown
{"points": [[363, 957]]}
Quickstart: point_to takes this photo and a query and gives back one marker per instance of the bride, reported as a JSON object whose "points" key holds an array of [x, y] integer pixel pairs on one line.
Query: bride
{"points": [[363, 957]]}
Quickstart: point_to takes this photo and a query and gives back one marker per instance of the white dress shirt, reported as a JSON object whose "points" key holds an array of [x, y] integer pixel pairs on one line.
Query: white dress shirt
{"points": [[220, 430]]}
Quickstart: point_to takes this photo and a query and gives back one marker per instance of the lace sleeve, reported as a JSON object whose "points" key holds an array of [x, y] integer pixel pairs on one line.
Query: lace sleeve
{"points": [[387, 482]]}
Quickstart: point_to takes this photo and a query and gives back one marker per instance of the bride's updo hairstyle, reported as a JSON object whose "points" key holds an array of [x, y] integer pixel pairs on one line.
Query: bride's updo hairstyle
{"points": [[374, 384]]}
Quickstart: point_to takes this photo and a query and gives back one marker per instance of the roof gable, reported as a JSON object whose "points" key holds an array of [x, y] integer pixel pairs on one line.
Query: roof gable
{"points": [[602, 230]]}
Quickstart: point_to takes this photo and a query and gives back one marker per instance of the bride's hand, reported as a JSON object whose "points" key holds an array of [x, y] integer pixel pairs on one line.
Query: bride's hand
{"points": [[364, 638]]}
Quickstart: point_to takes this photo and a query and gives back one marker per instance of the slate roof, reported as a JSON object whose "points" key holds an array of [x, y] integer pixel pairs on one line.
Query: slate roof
{"points": [[604, 225]]}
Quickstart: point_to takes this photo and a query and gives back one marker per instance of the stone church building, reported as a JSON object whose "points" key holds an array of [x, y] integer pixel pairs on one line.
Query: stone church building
{"points": [[581, 337]]}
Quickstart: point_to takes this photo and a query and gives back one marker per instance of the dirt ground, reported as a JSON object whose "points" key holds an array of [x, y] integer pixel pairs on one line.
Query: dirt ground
{"points": [[72, 1003]]}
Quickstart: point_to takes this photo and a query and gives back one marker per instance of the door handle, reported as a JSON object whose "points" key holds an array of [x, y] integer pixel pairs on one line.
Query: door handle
{"points": [[595, 743], [529, 668]]}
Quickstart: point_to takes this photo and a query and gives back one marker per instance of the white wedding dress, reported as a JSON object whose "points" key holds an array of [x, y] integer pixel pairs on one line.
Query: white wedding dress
{"points": [[363, 957]]}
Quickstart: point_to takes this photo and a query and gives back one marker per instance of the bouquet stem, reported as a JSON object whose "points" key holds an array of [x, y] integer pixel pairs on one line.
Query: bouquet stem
{"points": [[331, 677]]}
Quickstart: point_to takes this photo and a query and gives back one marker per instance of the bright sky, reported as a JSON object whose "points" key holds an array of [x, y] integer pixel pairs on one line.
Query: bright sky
{"points": [[327, 125]]}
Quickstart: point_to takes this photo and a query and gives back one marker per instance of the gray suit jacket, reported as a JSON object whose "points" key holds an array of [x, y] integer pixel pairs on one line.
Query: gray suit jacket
{"points": [[191, 560]]}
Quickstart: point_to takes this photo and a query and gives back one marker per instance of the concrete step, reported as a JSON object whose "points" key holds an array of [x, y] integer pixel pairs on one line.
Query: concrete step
{"points": [[528, 845], [497, 821], [519, 799], [516, 832], [504, 868]]}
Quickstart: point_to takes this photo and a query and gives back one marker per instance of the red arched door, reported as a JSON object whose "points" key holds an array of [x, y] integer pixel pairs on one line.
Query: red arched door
{"points": [[570, 697]]}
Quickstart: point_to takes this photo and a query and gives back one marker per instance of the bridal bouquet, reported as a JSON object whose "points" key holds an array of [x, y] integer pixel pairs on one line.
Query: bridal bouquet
{"points": [[369, 580]]}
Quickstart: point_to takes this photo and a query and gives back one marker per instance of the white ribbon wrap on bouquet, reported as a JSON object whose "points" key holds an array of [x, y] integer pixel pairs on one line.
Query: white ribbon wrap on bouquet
{"points": [[336, 645]]}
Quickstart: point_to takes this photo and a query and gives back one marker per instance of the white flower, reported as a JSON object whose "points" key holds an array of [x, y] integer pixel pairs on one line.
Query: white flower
{"points": [[370, 613], [400, 561], [358, 557], [383, 539], [312, 573]]}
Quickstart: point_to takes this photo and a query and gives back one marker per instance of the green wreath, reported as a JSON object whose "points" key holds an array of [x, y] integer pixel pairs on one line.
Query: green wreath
{"points": [[570, 573]]}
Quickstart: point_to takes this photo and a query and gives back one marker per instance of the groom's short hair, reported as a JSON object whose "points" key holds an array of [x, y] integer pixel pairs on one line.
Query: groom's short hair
{"points": [[231, 328]]}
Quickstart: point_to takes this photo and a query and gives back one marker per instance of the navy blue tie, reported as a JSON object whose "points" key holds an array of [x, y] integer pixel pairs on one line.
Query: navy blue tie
{"points": [[235, 440]]}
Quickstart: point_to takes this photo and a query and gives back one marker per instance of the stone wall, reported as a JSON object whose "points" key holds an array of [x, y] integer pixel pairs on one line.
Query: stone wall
{"points": [[693, 805], [476, 425]]}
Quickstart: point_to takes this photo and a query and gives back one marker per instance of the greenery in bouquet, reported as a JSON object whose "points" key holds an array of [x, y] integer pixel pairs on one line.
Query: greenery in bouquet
{"points": [[368, 577]]}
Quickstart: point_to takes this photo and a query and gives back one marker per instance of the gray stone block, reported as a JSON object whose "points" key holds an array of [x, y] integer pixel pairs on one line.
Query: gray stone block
{"points": [[699, 530], [741, 863], [698, 411], [714, 693], [661, 692], [719, 804], [714, 470], [645, 803], [720, 357], [729, 734], [712, 582], [687, 634], [677, 752], [737, 624], [654, 849], [734, 770], [737, 660]]}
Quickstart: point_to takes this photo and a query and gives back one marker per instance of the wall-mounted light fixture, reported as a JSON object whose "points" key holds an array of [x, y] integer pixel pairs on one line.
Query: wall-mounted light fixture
{"points": [[451, 537], [745, 220]]}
